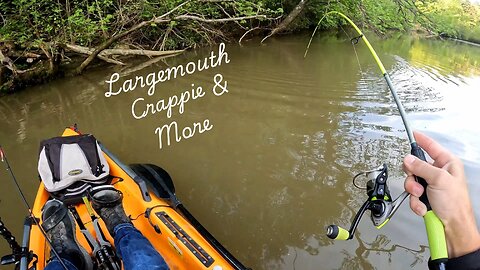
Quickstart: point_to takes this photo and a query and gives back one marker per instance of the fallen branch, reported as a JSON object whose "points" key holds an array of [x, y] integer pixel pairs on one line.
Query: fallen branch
{"points": [[246, 33], [107, 52], [114, 38], [464, 41], [89, 51], [15, 55], [139, 52], [200, 19], [157, 20]]}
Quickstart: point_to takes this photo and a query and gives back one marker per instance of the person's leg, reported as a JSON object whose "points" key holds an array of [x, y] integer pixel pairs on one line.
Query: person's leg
{"points": [[135, 250], [56, 265], [59, 226]]}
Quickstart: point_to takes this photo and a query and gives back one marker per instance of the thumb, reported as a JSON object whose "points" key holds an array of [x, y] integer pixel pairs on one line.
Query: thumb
{"points": [[423, 169]]}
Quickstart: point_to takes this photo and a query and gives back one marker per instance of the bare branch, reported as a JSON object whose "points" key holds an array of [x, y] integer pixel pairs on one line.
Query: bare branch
{"points": [[173, 10], [195, 18], [108, 52], [162, 19], [89, 51], [246, 33], [215, 1], [140, 52]]}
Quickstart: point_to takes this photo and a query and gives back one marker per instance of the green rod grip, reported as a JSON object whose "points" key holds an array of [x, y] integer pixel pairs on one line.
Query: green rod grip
{"points": [[436, 236]]}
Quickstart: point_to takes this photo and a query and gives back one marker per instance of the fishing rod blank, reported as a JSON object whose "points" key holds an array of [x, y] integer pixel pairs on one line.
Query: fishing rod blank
{"points": [[434, 226]]}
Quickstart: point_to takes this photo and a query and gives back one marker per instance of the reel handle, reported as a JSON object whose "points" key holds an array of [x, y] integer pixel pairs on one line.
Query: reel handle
{"points": [[337, 233]]}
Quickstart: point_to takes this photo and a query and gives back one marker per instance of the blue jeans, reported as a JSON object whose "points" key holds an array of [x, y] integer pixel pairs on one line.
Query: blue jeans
{"points": [[136, 252]]}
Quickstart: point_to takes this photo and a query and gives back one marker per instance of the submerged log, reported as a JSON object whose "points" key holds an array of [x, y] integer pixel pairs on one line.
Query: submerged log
{"points": [[465, 41], [11, 80], [19, 68]]}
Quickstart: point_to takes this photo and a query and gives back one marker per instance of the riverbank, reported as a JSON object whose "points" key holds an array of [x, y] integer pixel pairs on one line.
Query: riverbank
{"points": [[57, 40]]}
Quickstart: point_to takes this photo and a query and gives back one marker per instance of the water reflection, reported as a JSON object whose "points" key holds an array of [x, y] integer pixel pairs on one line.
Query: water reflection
{"points": [[276, 169]]}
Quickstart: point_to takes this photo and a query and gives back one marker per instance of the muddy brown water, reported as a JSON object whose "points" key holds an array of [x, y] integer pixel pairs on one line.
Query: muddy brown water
{"points": [[274, 164]]}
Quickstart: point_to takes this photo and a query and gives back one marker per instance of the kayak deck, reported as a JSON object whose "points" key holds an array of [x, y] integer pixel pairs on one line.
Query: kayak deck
{"points": [[179, 243]]}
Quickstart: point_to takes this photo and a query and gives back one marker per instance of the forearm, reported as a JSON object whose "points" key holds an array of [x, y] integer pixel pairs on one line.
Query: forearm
{"points": [[462, 234]]}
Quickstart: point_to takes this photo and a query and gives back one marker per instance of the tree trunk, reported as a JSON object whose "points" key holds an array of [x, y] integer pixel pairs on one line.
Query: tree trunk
{"points": [[290, 17]]}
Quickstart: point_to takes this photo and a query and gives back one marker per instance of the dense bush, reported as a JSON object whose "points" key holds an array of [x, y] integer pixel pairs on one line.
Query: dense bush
{"points": [[32, 31], [88, 22]]}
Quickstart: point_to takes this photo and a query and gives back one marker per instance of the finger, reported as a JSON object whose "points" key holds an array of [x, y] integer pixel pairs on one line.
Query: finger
{"points": [[406, 170], [442, 157], [409, 173], [417, 206], [418, 167], [437, 152], [412, 187]]}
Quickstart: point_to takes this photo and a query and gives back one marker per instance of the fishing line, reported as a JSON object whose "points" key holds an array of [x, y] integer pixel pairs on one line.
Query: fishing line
{"points": [[358, 61], [4, 159], [354, 41]]}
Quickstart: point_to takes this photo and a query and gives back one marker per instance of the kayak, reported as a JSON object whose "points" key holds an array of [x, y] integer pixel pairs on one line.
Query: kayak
{"points": [[149, 200]]}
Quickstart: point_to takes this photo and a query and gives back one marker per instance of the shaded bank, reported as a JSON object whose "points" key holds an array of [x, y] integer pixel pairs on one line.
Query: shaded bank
{"points": [[37, 38]]}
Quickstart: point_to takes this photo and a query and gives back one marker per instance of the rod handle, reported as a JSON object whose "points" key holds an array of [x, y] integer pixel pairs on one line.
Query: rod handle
{"points": [[418, 152], [436, 238], [434, 226]]}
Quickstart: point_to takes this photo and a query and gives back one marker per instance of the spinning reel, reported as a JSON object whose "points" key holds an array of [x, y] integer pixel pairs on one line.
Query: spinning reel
{"points": [[379, 202]]}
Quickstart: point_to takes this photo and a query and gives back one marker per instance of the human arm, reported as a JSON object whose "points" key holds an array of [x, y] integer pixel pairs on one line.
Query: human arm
{"points": [[448, 195]]}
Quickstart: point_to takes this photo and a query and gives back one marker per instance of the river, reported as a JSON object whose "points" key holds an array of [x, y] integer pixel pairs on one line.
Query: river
{"points": [[276, 166]]}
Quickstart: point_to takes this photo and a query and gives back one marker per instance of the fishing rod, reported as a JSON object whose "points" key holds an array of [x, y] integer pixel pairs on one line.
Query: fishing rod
{"points": [[4, 159], [379, 202]]}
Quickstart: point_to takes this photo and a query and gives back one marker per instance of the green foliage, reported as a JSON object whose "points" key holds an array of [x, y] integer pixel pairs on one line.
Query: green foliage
{"points": [[384, 15], [455, 18], [28, 23]]}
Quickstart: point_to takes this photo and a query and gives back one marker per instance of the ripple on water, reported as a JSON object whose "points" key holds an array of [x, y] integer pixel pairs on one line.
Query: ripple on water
{"points": [[288, 138]]}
